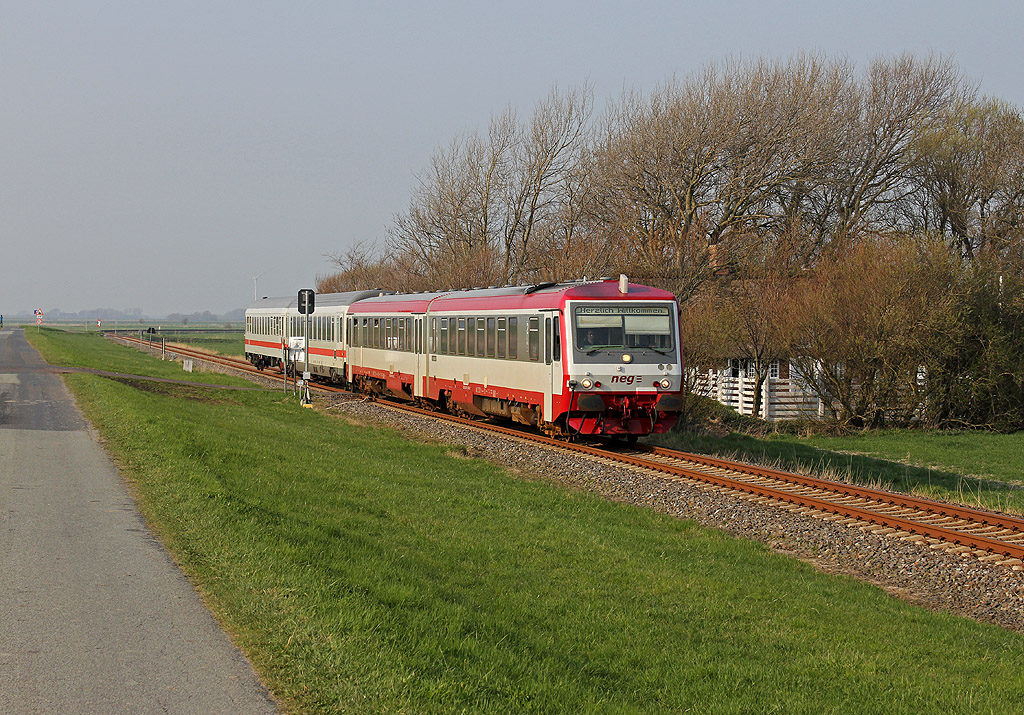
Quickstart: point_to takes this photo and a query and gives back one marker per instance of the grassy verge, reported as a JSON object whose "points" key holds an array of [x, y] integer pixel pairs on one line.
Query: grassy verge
{"points": [[363, 572], [92, 350], [973, 468]]}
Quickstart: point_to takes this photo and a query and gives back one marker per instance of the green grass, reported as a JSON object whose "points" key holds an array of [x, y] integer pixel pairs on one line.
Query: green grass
{"points": [[223, 343], [976, 468], [363, 572], [94, 351]]}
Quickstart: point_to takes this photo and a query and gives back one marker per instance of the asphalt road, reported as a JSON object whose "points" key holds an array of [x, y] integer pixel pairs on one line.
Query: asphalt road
{"points": [[94, 615]]}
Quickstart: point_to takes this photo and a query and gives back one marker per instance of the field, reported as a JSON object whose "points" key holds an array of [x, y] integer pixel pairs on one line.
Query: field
{"points": [[973, 468], [364, 572], [223, 338], [224, 343]]}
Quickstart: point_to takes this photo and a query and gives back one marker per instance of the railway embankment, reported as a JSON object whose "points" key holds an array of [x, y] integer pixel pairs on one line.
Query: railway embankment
{"points": [[373, 563]]}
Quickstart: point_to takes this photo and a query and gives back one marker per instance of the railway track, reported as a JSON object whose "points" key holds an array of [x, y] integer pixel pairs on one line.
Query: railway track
{"points": [[988, 536]]}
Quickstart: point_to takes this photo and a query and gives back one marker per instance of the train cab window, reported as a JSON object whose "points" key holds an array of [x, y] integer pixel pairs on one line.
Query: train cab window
{"points": [[471, 336], [556, 345], [533, 338], [491, 335], [502, 336], [481, 337], [513, 338]]}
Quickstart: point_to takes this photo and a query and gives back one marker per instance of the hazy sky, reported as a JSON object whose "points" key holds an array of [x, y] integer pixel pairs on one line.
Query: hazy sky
{"points": [[158, 155]]}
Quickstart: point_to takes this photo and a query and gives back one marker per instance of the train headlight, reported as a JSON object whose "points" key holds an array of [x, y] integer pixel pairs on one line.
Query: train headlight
{"points": [[665, 383], [586, 383], [626, 357]]}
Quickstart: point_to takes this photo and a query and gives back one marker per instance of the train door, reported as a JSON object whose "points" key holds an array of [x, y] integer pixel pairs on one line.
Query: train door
{"points": [[553, 363], [418, 388]]}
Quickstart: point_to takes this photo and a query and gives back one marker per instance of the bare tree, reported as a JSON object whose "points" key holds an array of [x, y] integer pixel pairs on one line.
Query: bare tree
{"points": [[481, 212], [873, 174], [972, 167], [869, 318]]}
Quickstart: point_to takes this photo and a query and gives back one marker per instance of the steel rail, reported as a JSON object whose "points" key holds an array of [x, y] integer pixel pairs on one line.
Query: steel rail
{"points": [[980, 516]]}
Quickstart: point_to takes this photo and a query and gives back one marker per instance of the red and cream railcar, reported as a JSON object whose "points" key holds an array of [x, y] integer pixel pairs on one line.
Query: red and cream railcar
{"points": [[272, 323], [595, 358]]}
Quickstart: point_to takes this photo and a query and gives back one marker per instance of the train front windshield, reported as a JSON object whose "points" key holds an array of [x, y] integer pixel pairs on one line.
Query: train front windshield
{"points": [[601, 328]]}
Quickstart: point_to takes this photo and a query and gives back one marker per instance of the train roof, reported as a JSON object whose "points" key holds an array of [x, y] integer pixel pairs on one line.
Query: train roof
{"points": [[323, 300], [539, 296]]}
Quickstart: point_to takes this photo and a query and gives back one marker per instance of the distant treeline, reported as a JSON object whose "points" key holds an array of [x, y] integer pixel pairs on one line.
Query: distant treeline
{"points": [[866, 223], [132, 315]]}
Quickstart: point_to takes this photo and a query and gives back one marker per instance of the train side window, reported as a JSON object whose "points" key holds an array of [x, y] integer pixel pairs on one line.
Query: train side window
{"points": [[502, 336], [556, 348], [481, 337], [491, 335], [533, 338], [547, 341], [462, 336], [401, 333], [453, 337], [433, 335], [471, 336], [513, 338], [444, 336]]}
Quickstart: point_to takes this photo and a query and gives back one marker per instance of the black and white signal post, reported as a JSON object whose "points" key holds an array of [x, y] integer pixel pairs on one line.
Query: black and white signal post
{"points": [[307, 301]]}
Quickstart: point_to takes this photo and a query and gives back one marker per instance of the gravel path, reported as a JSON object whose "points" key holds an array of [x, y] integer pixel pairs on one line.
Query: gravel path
{"points": [[927, 577]]}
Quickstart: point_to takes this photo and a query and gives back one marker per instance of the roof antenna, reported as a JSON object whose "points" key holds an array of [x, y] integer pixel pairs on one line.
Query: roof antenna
{"points": [[623, 283]]}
